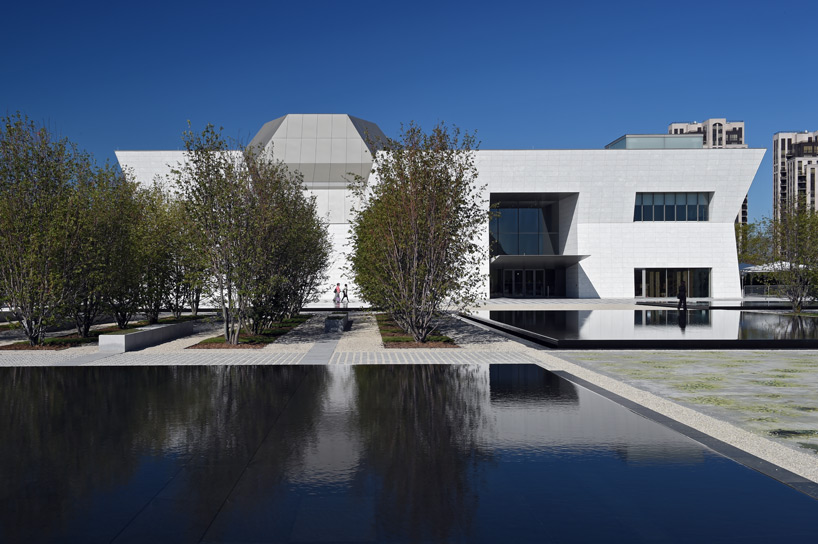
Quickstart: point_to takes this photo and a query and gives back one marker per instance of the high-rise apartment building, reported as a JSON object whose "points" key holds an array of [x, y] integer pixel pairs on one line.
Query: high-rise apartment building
{"points": [[795, 168], [717, 133]]}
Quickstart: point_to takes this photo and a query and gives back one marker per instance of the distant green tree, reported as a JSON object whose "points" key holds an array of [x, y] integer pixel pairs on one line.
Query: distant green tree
{"points": [[794, 238], [41, 182], [414, 239], [753, 243]]}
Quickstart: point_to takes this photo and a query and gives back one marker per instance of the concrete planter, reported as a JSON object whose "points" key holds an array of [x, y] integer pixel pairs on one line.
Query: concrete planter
{"points": [[145, 338], [335, 323]]}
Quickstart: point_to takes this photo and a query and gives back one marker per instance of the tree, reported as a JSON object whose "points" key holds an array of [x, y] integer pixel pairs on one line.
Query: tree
{"points": [[157, 235], [255, 225], [414, 249], [291, 250], [105, 205], [794, 238], [188, 268], [41, 180], [123, 260], [212, 184], [753, 243]]}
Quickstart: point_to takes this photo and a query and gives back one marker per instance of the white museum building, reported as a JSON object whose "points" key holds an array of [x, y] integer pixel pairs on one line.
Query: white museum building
{"points": [[631, 220]]}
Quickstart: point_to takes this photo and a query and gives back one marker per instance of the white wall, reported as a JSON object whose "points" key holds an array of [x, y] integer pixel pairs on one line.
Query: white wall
{"points": [[607, 182]]}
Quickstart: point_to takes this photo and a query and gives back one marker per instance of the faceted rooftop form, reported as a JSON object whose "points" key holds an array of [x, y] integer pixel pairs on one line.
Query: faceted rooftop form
{"points": [[328, 149]]}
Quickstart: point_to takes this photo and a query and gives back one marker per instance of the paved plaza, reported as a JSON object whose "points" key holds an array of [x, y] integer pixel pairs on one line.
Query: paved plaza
{"points": [[762, 402]]}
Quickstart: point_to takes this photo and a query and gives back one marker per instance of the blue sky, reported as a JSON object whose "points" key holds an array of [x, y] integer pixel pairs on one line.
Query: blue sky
{"points": [[116, 75]]}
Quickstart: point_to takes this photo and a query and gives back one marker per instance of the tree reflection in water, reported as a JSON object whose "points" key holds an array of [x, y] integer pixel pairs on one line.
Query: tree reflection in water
{"points": [[60, 449], [421, 426]]}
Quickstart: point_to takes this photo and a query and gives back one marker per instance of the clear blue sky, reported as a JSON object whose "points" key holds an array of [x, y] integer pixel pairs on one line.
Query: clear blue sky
{"points": [[128, 75]]}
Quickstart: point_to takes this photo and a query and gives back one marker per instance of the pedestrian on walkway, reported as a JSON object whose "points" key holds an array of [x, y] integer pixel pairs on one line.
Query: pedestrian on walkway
{"points": [[345, 297], [682, 295], [337, 298]]}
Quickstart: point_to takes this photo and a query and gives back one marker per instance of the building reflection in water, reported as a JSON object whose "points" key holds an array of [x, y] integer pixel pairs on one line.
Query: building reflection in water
{"points": [[374, 452]]}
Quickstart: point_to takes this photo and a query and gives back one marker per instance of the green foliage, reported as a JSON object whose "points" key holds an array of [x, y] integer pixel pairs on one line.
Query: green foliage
{"points": [[107, 213], [794, 237], [753, 243], [265, 247], [414, 237], [42, 179]]}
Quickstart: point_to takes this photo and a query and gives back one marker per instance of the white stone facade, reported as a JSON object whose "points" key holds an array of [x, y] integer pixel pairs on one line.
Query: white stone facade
{"points": [[599, 188]]}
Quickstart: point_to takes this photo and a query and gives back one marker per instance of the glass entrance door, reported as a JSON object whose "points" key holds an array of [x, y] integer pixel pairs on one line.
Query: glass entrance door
{"points": [[524, 283]]}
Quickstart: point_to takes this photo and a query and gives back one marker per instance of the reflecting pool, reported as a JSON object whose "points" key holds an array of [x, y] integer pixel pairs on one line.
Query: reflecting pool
{"points": [[360, 453], [574, 327]]}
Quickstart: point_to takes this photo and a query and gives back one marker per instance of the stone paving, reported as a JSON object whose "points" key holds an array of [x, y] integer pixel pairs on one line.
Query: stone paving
{"points": [[759, 401]]}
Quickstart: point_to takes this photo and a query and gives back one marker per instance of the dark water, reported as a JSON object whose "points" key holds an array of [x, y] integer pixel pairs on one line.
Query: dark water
{"points": [[653, 324], [360, 454]]}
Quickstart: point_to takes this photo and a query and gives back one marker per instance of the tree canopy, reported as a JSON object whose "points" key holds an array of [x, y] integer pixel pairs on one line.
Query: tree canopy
{"points": [[414, 237]]}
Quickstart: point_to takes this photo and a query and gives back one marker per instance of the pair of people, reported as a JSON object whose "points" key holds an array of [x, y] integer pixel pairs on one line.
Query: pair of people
{"points": [[338, 292]]}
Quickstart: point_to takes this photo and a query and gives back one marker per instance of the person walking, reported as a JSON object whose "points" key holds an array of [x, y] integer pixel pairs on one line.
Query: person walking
{"points": [[345, 297], [337, 298], [682, 295]]}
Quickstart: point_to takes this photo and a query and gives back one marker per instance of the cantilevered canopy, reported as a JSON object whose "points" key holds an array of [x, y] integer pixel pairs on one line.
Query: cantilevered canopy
{"points": [[536, 261]]}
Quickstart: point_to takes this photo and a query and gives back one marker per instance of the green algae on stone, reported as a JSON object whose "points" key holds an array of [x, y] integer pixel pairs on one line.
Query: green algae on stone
{"points": [[794, 433], [713, 401], [695, 386], [773, 383]]}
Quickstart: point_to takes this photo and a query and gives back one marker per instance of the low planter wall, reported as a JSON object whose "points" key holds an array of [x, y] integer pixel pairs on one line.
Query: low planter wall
{"points": [[145, 338], [335, 323]]}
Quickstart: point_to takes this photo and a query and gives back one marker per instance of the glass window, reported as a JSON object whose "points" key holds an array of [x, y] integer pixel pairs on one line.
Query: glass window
{"points": [[529, 244], [691, 212], [672, 207], [529, 222], [508, 243], [508, 221]]}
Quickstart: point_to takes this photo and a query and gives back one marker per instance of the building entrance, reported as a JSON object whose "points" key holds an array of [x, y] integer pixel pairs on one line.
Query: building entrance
{"points": [[517, 283]]}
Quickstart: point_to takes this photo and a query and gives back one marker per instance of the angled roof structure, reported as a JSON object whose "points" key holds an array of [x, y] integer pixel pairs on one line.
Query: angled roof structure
{"points": [[328, 149]]}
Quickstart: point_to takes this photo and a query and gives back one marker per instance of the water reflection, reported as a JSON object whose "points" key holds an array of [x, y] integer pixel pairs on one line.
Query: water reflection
{"points": [[422, 428], [651, 324], [403, 453]]}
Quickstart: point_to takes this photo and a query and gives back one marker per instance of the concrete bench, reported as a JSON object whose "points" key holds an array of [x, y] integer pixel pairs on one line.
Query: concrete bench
{"points": [[145, 337]]}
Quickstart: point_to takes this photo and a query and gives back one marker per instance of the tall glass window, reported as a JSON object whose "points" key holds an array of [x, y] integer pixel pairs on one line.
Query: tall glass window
{"points": [[524, 230], [672, 207]]}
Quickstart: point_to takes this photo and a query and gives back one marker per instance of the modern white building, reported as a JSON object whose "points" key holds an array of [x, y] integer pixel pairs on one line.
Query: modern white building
{"points": [[795, 166], [631, 220]]}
